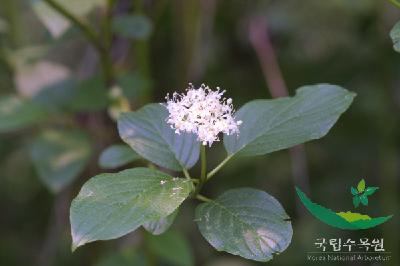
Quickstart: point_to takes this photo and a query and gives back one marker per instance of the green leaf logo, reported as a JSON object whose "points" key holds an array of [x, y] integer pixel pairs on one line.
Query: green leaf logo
{"points": [[360, 195], [361, 186]]}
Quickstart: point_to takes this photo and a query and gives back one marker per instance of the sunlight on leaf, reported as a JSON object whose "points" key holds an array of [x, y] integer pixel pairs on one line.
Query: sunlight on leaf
{"points": [[112, 205]]}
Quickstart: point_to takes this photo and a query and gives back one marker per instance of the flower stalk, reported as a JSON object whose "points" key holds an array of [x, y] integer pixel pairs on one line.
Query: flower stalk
{"points": [[203, 173], [218, 167]]}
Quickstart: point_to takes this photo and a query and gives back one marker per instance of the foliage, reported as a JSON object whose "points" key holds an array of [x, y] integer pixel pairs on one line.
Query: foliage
{"points": [[78, 77], [111, 205]]}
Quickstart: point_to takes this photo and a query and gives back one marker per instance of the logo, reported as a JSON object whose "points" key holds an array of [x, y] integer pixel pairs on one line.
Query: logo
{"points": [[346, 220]]}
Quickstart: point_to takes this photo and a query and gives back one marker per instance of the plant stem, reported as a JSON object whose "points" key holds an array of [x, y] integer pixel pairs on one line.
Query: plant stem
{"points": [[141, 50], [92, 37], [395, 2], [203, 174], [216, 169], [186, 173], [203, 163], [202, 198], [107, 31], [89, 32]]}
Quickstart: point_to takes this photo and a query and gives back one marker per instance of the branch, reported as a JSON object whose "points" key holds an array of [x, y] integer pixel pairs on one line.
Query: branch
{"points": [[259, 38], [89, 32], [92, 37]]}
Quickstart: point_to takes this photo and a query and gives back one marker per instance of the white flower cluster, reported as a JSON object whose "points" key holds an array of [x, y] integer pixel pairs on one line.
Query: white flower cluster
{"points": [[203, 112]]}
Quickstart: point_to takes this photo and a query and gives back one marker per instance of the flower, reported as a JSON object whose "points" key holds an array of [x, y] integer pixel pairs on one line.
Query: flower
{"points": [[203, 112]]}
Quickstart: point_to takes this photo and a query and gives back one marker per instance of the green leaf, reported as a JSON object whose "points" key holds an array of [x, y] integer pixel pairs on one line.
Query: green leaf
{"points": [[116, 156], [271, 125], [172, 247], [356, 201], [364, 199], [17, 113], [245, 222], [354, 191], [159, 226], [370, 190], [136, 27], [361, 186], [112, 205], [60, 156], [148, 133], [395, 35]]}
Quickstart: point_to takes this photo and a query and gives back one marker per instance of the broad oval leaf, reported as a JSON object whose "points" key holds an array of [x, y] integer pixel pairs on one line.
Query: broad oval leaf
{"points": [[271, 125], [395, 35], [354, 191], [245, 222], [116, 156], [16, 113], [112, 205], [148, 133], [60, 156], [159, 226]]}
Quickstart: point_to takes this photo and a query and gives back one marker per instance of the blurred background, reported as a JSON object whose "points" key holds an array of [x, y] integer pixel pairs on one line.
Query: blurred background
{"points": [[69, 67]]}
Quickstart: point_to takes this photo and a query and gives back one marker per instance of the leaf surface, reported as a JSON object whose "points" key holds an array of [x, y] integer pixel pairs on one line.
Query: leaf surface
{"points": [[112, 205], [272, 125], [116, 156], [148, 133], [245, 222]]}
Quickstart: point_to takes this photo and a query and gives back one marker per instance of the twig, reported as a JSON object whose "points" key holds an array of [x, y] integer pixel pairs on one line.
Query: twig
{"points": [[259, 38], [203, 198], [92, 37], [89, 32], [218, 167]]}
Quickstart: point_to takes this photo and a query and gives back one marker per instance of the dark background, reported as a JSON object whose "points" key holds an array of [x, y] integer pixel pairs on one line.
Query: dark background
{"points": [[340, 42]]}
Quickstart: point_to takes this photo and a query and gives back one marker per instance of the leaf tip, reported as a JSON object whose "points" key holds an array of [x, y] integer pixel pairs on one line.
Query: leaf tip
{"points": [[74, 247]]}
